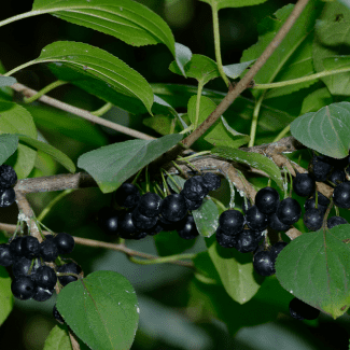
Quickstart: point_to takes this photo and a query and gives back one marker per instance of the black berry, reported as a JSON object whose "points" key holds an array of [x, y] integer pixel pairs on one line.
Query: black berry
{"points": [[192, 205], [276, 224], [173, 208], [7, 197], [195, 189], [231, 222], [6, 258], [23, 288], [337, 176], [22, 266], [341, 195], [211, 181], [149, 204], [57, 315], [64, 243], [45, 277], [313, 219], [289, 211], [319, 168], [267, 200], [48, 250], [256, 220], [224, 240], [335, 221], [30, 247], [16, 246], [8, 176], [68, 268], [108, 220], [247, 241], [127, 226], [302, 311], [264, 263], [278, 247], [42, 294], [303, 185], [127, 195], [188, 229], [143, 222]]}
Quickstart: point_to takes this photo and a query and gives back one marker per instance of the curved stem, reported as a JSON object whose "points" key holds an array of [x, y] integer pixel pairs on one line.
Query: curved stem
{"points": [[24, 65], [104, 109], [282, 133], [45, 90], [165, 259], [19, 17], [255, 120], [198, 103]]}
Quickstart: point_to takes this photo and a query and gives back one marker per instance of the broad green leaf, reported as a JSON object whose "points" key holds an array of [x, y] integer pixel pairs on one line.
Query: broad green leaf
{"points": [[236, 272], [176, 183], [6, 296], [161, 124], [201, 68], [338, 82], [126, 20], [220, 4], [255, 160], [101, 309], [56, 154], [332, 39], [315, 268], [94, 62], [292, 58], [8, 146], [182, 57], [6, 93], [235, 70], [326, 131], [58, 339], [7, 81], [205, 266], [17, 120], [112, 165], [316, 100], [345, 2], [170, 243]]}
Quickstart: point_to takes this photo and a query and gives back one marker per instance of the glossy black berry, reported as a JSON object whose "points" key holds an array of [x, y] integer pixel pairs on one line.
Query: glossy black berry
{"points": [[173, 208], [276, 224], [8, 176], [42, 294], [127, 195], [23, 288], [278, 247], [267, 200], [30, 247], [68, 268], [231, 222], [45, 277], [108, 220], [21, 267], [224, 240], [127, 225], [6, 257], [16, 246], [289, 211], [188, 229], [337, 176], [319, 168], [192, 205], [143, 222], [256, 220], [264, 263], [57, 315], [313, 219], [335, 221], [7, 197], [302, 311], [341, 195], [149, 204], [304, 185], [64, 242], [195, 189], [211, 181], [311, 204], [247, 241], [48, 250]]}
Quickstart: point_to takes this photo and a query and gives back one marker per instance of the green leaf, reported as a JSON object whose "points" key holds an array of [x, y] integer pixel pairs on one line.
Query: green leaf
{"points": [[235, 70], [255, 160], [200, 67], [316, 100], [170, 243], [182, 57], [7, 81], [112, 165], [126, 20], [315, 266], [233, 3], [6, 296], [338, 82], [292, 58], [58, 339], [101, 309], [8, 146], [6, 93], [56, 154], [326, 131], [96, 63], [236, 272], [332, 39]]}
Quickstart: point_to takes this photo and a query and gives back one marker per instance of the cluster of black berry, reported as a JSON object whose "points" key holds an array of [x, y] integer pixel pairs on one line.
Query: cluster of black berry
{"points": [[149, 214]]}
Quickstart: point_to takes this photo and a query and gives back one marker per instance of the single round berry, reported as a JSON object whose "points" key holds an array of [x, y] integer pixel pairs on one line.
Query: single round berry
{"points": [[231, 222], [313, 219], [304, 185], [6, 257], [289, 211], [337, 176], [335, 221], [8, 176], [64, 242], [211, 181], [149, 204], [264, 263], [48, 250], [173, 208], [195, 189], [57, 315], [7, 197], [68, 268], [247, 241], [127, 226], [30, 247], [108, 220], [192, 205], [143, 222], [16, 247], [42, 294], [302, 311], [21, 268], [341, 195], [127, 195], [278, 247], [276, 224], [311, 204], [188, 229], [256, 220], [224, 240], [319, 168], [45, 277], [267, 200], [23, 288]]}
